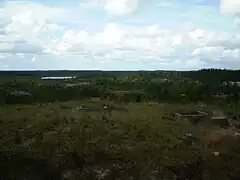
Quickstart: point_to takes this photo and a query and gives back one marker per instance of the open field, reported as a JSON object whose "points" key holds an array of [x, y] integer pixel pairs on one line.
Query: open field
{"points": [[56, 141]]}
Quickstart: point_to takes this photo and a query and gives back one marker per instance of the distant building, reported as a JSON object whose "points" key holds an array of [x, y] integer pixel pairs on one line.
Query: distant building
{"points": [[20, 93], [77, 84], [231, 83], [164, 80], [220, 95]]}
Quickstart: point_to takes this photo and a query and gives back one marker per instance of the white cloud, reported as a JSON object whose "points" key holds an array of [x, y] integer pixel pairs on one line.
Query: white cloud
{"points": [[20, 55], [146, 44], [28, 34], [121, 7], [13, 8], [231, 7], [3, 55], [208, 52], [111, 34], [26, 23], [114, 7]]}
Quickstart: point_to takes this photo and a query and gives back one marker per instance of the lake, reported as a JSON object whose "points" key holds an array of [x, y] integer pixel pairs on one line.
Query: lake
{"points": [[57, 78]]}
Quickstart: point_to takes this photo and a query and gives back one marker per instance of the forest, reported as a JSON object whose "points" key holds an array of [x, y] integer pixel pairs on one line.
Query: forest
{"points": [[211, 86]]}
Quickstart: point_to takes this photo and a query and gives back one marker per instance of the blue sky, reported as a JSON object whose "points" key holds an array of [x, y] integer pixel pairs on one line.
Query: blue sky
{"points": [[119, 34]]}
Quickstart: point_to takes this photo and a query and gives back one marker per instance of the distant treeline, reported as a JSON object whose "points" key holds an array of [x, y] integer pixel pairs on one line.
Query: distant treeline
{"points": [[15, 91], [205, 75], [213, 75]]}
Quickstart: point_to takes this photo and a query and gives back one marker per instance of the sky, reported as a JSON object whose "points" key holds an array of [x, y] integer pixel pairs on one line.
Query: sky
{"points": [[119, 34]]}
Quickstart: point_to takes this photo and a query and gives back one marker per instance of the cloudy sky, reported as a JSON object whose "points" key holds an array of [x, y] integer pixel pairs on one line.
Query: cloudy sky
{"points": [[119, 34]]}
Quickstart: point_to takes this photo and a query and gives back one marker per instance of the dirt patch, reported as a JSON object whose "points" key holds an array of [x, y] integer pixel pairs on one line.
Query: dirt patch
{"points": [[215, 138]]}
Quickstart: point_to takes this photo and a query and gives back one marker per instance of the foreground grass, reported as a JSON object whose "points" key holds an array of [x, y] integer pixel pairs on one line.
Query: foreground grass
{"points": [[54, 141]]}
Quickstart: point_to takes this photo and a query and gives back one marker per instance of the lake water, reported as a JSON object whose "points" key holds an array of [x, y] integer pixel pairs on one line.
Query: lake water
{"points": [[57, 78]]}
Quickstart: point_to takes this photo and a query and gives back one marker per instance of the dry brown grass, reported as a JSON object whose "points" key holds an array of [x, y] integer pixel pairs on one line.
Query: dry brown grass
{"points": [[213, 138], [133, 144]]}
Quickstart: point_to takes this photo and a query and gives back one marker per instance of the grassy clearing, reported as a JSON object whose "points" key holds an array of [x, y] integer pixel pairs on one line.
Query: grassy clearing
{"points": [[55, 141]]}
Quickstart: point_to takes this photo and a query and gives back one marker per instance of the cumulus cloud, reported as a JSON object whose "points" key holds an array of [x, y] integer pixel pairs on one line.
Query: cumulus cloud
{"points": [[231, 7], [115, 7], [13, 8], [121, 6], [28, 33], [20, 47], [26, 28], [193, 46]]}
